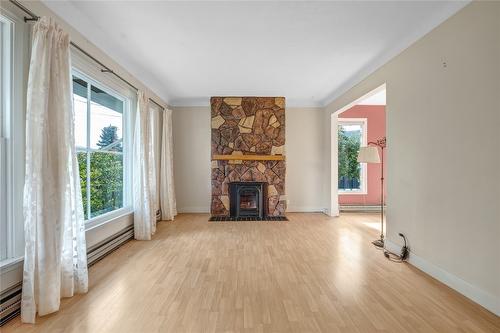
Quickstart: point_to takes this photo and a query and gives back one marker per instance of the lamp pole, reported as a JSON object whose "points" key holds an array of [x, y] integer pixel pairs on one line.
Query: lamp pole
{"points": [[382, 144]]}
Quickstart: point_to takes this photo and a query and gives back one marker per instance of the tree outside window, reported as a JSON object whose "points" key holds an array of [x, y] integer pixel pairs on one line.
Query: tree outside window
{"points": [[350, 136]]}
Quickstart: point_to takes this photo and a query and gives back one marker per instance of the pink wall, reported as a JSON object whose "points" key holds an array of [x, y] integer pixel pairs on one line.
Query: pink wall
{"points": [[375, 115]]}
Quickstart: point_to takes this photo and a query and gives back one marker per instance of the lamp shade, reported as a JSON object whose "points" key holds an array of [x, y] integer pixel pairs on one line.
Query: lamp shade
{"points": [[368, 155]]}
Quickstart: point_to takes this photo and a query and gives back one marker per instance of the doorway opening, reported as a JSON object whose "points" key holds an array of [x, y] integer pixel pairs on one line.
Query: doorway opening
{"points": [[357, 184]]}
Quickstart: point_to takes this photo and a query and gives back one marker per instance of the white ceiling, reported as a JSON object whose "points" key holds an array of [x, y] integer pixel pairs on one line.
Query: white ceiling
{"points": [[309, 52]]}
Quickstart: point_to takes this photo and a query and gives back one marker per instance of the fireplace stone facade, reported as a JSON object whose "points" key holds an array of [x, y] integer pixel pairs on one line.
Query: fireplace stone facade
{"points": [[248, 126]]}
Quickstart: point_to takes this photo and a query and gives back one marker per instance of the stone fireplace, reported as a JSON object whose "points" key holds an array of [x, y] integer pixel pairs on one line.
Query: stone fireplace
{"points": [[248, 141]]}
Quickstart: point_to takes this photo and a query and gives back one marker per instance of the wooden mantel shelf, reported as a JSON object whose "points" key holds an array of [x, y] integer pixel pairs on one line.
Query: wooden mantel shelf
{"points": [[249, 157]]}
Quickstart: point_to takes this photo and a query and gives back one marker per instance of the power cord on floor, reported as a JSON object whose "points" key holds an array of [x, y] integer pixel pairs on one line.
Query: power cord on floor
{"points": [[403, 256]]}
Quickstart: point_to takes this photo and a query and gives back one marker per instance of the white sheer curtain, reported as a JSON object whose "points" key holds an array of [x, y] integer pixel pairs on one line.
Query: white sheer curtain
{"points": [[156, 129], [144, 172], [167, 194], [334, 199], [55, 262]]}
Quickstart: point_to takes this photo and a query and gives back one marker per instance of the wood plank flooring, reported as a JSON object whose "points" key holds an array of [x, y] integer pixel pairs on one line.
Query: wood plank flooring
{"points": [[311, 274]]}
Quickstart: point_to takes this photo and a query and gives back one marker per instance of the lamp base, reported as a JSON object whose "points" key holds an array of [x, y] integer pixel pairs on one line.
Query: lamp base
{"points": [[378, 243]]}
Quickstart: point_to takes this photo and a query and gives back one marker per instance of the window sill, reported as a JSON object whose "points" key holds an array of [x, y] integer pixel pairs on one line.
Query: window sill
{"points": [[9, 264], [360, 192], [98, 221]]}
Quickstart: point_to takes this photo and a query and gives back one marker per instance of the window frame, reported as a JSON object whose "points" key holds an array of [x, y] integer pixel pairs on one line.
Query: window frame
{"points": [[5, 170], [127, 135], [364, 169], [14, 77]]}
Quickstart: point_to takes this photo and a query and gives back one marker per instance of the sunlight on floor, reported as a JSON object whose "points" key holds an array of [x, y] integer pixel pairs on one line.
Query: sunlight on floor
{"points": [[372, 225]]}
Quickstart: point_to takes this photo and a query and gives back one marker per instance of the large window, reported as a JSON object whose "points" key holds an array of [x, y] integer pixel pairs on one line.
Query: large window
{"points": [[352, 175], [101, 145]]}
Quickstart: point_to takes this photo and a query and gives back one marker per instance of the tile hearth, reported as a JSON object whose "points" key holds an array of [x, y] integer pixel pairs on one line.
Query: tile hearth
{"points": [[264, 219]]}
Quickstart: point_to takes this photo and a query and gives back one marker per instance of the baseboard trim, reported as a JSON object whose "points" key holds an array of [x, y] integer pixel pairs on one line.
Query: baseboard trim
{"points": [[304, 209], [290, 209], [10, 299], [193, 209], [293, 209], [477, 295], [359, 208]]}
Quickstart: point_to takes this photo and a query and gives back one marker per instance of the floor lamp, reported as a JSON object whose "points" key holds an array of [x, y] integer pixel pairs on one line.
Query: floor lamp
{"points": [[370, 154]]}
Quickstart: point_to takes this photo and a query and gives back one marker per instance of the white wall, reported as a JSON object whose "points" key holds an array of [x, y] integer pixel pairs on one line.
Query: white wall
{"points": [[443, 120], [191, 131], [304, 147], [305, 141]]}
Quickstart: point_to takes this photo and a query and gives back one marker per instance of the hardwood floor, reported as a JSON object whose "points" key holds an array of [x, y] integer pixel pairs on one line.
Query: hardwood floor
{"points": [[311, 274]]}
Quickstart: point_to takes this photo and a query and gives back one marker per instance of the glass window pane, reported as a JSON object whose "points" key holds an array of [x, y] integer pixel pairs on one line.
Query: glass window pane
{"points": [[82, 164], [80, 109], [101, 171], [106, 117], [349, 141], [106, 182]]}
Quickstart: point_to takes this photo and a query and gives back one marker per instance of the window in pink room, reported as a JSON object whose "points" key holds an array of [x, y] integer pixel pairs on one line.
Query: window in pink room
{"points": [[359, 183]]}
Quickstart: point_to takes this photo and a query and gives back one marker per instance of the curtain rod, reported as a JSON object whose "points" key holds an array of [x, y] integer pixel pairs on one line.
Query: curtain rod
{"points": [[34, 17]]}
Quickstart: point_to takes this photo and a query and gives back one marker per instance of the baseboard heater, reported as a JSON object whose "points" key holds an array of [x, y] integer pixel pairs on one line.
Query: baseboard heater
{"points": [[10, 303], [10, 299], [360, 208], [108, 245]]}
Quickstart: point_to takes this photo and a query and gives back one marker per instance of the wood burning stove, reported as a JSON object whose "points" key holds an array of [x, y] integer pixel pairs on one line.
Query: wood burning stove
{"points": [[247, 199]]}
